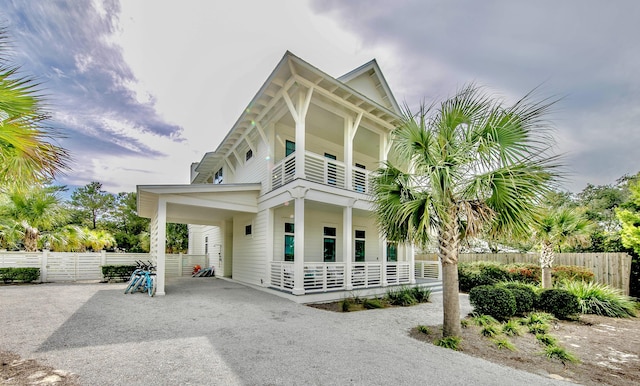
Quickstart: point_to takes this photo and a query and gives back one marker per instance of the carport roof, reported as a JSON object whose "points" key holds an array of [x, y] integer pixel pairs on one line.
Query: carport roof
{"points": [[204, 204]]}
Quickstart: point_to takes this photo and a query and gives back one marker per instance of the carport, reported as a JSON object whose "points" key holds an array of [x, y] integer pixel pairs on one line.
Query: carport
{"points": [[202, 204]]}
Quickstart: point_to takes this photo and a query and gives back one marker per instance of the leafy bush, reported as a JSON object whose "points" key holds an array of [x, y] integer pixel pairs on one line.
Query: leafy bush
{"points": [[557, 352], [600, 299], [25, 275], [493, 300], [450, 342], [558, 302], [525, 273], [401, 297], [421, 294], [424, 329], [525, 296], [345, 305], [471, 275], [570, 272], [122, 272], [372, 303]]}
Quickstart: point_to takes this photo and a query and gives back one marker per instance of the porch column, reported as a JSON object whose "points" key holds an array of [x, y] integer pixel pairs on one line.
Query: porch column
{"points": [[269, 245], [299, 115], [412, 264], [350, 129], [298, 246], [161, 229], [383, 253], [347, 242]]}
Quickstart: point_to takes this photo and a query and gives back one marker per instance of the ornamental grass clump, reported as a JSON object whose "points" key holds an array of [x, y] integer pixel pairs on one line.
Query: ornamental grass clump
{"points": [[504, 343], [450, 342], [511, 328], [601, 299], [560, 353]]}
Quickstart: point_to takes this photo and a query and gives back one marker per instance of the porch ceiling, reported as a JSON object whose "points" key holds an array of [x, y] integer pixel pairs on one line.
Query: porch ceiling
{"points": [[204, 204]]}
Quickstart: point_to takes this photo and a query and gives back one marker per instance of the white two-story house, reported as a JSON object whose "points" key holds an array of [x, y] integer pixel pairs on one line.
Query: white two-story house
{"points": [[284, 201]]}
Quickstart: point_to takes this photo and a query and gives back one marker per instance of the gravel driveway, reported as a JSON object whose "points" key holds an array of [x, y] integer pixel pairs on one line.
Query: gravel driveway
{"points": [[210, 331]]}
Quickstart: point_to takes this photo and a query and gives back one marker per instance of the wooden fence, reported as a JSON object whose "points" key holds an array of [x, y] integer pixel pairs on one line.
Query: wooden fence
{"points": [[613, 269]]}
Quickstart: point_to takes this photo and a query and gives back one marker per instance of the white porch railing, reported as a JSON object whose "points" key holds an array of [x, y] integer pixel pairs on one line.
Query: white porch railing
{"points": [[398, 273], [322, 170], [323, 277], [428, 269]]}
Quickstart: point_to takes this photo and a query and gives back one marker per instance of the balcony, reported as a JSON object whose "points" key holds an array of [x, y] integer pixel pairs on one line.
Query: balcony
{"points": [[324, 171]]}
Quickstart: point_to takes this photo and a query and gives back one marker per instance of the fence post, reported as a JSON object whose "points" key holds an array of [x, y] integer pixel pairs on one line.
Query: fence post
{"points": [[43, 266]]}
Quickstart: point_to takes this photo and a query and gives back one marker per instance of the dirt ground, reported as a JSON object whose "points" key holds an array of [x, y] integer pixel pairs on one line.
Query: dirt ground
{"points": [[608, 349], [17, 371]]}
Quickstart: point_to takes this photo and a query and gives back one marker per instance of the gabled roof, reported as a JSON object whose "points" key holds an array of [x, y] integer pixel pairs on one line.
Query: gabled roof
{"points": [[370, 73], [381, 106]]}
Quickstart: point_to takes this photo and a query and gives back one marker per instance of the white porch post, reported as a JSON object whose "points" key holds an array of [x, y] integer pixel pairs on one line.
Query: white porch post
{"points": [[299, 116], [269, 244], [161, 245], [347, 242], [383, 253], [412, 264], [350, 129], [298, 246]]}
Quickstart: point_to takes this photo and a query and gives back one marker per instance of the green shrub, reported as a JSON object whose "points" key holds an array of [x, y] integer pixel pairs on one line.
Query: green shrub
{"points": [[571, 272], [511, 328], [504, 343], [600, 299], [553, 351], [471, 275], [525, 298], [450, 342], [421, 294], [546, 339], [345, 305], [25, 275], [493, 300], [424, 329], [372, 303], [122, 272], [559, 302], [401, 297], [525, 273]]}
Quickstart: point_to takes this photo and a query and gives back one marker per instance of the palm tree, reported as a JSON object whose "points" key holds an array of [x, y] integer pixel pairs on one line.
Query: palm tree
{"points": [[556, 228], [467, 166], [33, 211], [26, 155]]}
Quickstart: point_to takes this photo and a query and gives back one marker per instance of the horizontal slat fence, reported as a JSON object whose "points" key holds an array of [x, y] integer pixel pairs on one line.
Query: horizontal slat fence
{"points": [[72, 266], [613, 269]]}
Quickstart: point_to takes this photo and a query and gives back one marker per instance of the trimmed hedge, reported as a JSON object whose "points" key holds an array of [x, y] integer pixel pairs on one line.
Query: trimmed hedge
{"points": [[122, 272], [559, 302], [493, 300], [526, 297], [488, 272], [25, 275]]}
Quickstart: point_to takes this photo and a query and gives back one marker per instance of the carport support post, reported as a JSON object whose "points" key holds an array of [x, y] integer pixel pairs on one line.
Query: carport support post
{"points": [[161, 245]]}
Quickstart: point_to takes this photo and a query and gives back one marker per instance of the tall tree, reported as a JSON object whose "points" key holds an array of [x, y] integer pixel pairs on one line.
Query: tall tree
{"points": [[629, 216], [556, 228], [27, 155], [467, 165], [92, 202]]}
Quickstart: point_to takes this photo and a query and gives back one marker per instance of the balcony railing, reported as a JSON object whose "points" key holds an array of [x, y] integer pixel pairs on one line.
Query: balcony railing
{"points": [[323, 277], [322, 170]]}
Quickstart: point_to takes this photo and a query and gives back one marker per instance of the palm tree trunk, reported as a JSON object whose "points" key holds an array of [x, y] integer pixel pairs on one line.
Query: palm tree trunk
{"points": [[546, 260], [449, 241], [30, 239]]}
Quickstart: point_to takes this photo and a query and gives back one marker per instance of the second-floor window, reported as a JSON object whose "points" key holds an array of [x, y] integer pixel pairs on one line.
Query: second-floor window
{"points": [[217, 179], [289, 148], [248, 155]]}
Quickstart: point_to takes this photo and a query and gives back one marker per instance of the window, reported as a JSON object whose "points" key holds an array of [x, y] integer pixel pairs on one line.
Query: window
{"points": [[359, 179], [360, 238], [392, 252], [290, 148], [288, 241], [329, 244], [217, 179], [249, 154], [247, 230], [331, 169]]}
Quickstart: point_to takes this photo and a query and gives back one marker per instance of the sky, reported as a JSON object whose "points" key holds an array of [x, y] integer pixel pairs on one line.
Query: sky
{"points": [[140, 89]]}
